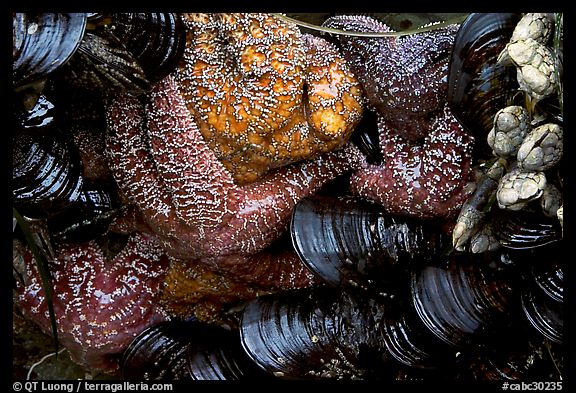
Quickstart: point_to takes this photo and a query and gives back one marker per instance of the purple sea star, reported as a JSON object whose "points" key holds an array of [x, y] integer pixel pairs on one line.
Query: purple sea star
{"points": [[100, 305], [425, 180], [427, 154], [187, 198]]}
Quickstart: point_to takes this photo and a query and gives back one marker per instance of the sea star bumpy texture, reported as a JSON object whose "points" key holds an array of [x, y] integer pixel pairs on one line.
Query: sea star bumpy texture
{"points": [[264, 95], [425, 180], [100, 305], [185, 195], [427, 154]]}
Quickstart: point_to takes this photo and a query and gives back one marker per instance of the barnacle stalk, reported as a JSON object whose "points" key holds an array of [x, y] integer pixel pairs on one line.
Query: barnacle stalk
{"points": [[474, 211]]}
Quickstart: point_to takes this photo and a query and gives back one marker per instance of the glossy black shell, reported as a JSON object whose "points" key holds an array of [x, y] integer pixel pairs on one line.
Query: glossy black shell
{"points": [[478, 86]]}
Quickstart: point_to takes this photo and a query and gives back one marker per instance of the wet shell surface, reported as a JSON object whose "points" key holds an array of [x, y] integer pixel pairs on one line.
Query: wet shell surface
{"points": [[478, 86], [46, 173], [156, 40], [187, 350], [542, 300], [313, 334], [522, 230], [462, 302], [364, 294], [87, 218], [352, 242], [42, 43]]}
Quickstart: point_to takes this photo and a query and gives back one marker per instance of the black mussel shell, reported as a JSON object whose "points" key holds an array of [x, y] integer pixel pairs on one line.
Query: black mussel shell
{"points": [[545, 314], [156, 40], [467, 300], [41, 115], [219, 356], [158, 353], [103, 64], [351, 241], [314, 333], [525, 229], [187, 350], [542, 300], [366, 137], [548, 274], [478, 86], [410, 342], [42, 43], [46, 173], [519, 358], [89, 217]]}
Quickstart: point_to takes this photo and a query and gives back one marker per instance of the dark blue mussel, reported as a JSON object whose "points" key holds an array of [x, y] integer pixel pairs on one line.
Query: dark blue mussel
{"points": [[478, 86], [351, 241], [42, 114], [46, 173], [103, 64], [127, 52], [187, 350], [525, 229], [42, 43], [543, 300], [315, 333], [156, 40], [87, 218], [453, 310]]}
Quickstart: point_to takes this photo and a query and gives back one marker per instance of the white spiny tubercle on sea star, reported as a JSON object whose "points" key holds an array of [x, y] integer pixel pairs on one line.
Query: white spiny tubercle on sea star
{"points": [[164, 166], [100, 305], [264, 95]]}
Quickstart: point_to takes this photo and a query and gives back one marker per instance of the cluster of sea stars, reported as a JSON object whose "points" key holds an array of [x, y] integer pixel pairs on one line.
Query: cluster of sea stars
{"points": [[427, 154], [216, 155]]}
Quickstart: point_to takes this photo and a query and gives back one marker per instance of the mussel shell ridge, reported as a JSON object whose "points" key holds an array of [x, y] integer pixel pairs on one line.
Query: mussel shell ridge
{"points": [[188, 350], [158, 353], [525, 229], [43, 42], [464, 302], [543, 299], [478, 86], [410, 342], [353, 242], [46, 173], [314, 333], [156, 40]]}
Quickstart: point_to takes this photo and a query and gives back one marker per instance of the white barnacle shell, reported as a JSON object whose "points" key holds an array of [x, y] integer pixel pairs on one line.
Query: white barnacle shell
{"points": [[536, 67], [484, 240], [534, 25], [511, 124], [542, 148], [517, 188], [551, 200]]}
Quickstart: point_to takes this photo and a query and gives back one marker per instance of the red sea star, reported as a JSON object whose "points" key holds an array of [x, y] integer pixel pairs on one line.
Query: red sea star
{"points": [[424, 180], [186, 196], [427, 154], [405, 77], [100, 305]]}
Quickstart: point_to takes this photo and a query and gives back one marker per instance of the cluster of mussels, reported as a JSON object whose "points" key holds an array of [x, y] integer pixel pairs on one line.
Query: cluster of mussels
{"points": [[223, 196]]}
